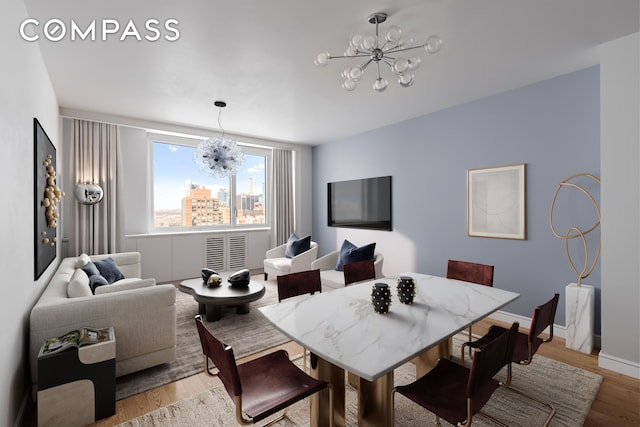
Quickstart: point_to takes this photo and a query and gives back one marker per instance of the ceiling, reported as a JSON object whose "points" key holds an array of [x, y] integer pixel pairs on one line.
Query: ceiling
{"points": [[258, 56]]}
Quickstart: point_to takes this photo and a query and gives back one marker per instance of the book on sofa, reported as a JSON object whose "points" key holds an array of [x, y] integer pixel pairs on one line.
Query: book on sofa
{"points": [[77, 338]]}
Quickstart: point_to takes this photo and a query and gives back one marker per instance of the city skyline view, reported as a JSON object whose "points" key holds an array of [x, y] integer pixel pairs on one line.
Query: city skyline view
{"points": [[173, 167]]}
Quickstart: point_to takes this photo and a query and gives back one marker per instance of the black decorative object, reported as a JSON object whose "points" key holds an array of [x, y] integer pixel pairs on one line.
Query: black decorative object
{"points": [[240, 278], [406, 289], [380, 297], [206, 273]]}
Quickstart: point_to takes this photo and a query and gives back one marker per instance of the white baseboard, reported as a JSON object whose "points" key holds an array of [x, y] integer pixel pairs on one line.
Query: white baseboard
{"points": [[525, 322], [616, 364]]}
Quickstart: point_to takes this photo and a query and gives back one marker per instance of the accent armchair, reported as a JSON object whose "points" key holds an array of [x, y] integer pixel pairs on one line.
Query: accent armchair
{"points": [[277, 264], [334, 279]]}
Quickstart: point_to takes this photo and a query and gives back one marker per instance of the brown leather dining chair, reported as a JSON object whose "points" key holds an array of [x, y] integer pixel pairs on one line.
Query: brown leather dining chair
{"points": [[358, 271], [456, 393], [300, 283], [260, 387], [527, 344], [481, 274]]}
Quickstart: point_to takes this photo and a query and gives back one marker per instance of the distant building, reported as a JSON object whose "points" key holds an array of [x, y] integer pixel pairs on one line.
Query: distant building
{"points": [[198, 208]]}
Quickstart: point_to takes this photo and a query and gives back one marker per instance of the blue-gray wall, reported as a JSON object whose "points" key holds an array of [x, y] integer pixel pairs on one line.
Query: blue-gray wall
{"points": [[552, 126]]}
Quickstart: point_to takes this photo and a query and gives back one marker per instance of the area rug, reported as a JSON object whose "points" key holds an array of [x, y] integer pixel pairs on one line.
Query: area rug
{"points": [[571, 390], [246, 333]]}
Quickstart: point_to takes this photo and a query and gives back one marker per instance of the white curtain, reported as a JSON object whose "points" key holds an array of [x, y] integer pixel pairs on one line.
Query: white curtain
{"points": [[95, 157], [283, 196]]}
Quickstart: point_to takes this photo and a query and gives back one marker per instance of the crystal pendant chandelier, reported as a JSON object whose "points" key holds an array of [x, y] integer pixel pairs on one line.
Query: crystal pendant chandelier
{"points": [[218, 156], [378, 51]]}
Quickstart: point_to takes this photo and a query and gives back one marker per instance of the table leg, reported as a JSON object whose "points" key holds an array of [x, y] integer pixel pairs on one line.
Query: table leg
{"points": [[243, 308], [427, 360], [214, 312], [326, 371], [202, 308], [374, 402]]}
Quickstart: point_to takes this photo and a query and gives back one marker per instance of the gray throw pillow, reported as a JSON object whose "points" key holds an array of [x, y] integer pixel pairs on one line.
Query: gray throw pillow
{"points": [[109, 270]]}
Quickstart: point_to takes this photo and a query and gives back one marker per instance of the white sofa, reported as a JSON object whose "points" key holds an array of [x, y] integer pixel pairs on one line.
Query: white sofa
{"points": [[277, 264], [142, 313], [334, 279]]}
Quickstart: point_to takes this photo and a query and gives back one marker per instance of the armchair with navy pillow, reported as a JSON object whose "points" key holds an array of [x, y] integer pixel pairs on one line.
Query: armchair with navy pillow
{"points": [[294, 256], [331, 264]]}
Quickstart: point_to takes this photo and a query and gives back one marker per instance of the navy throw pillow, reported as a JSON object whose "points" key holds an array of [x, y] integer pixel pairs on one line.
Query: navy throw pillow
{"points": [[95, 278], [351, 253], [95, 281], [91, 269], [296, 246], [109, 270]]}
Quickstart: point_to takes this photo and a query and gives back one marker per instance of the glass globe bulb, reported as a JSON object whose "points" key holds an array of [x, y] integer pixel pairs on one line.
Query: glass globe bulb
{"points": [[394, 34], [345, 72], [322, 59], [433, 44], [349, 85], [355, 74], [406, 41], [351, 51], [368, 42], [406, 80], [400, 65], [356, 40], [380, 84], [413, 63]]}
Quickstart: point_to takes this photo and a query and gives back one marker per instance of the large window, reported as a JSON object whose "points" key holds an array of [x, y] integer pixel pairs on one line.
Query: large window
{"points": [[186, 197]]}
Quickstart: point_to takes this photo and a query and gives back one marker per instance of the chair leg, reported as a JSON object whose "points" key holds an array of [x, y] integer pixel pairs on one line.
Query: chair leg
{"points": [[265, 276], [280, 418], [206, 368], [552, 409], [494, 420]]}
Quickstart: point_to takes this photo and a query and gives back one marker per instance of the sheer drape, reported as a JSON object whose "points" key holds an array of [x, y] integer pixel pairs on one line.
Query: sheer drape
{"points": [[283, 198], [95, 158]]}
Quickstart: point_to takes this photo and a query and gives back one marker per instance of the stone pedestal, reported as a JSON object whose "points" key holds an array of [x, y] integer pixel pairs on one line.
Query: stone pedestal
{"points": [[580, 313]]}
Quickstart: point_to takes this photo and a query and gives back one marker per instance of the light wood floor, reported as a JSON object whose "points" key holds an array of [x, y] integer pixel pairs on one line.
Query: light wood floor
{"points": [[617, 402]]}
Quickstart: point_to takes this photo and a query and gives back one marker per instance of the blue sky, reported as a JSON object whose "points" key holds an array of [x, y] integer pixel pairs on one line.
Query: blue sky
{"points": [[173, 165]]}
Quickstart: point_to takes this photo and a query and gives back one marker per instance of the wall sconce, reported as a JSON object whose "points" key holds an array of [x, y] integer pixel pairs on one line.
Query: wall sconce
{"points": [[88, 193]]}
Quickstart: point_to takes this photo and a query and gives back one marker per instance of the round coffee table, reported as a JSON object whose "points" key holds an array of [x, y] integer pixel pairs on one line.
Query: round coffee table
{"points": [[212, 299]]}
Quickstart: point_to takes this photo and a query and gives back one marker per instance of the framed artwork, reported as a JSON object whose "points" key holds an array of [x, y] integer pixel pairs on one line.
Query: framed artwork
{"points": [[46, 197], [496, 202]]}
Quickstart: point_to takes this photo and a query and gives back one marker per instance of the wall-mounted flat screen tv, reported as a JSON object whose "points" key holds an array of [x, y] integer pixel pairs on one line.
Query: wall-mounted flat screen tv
{"points": [[360, 203]]}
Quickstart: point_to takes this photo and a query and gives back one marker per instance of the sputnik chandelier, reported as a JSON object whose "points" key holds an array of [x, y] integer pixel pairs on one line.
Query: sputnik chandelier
{"points": [[218, 156], [378, 51]]}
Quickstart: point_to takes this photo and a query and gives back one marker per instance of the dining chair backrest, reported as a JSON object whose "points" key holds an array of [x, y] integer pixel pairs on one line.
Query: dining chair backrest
{"points": [[222, 357], [490, 359], [543, 316], [358, 271], [481, 274], [300, 283]]}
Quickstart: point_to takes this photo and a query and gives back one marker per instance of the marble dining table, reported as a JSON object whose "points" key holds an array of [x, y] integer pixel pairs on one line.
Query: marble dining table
{"points": [[343, 333]]}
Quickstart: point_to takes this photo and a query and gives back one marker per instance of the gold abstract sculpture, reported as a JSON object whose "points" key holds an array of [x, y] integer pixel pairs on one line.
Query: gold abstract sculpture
{"points": [[574, 232]]}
